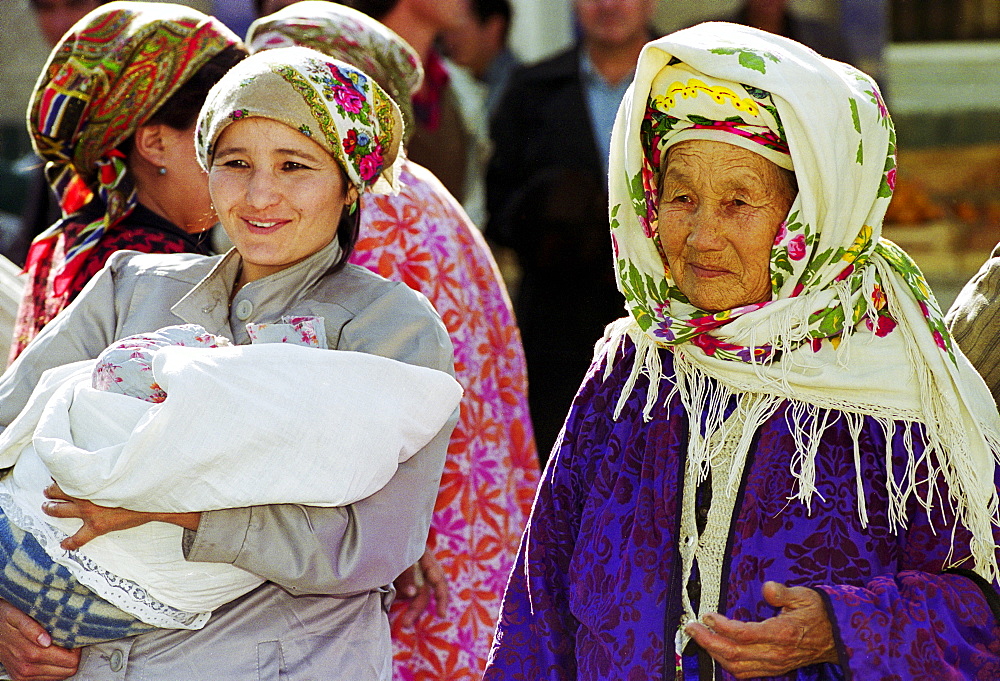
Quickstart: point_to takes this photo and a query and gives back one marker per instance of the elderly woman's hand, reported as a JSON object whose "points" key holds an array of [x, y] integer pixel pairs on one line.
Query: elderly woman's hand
{"points": [[800, 635], [27, 652], [98, 520]]}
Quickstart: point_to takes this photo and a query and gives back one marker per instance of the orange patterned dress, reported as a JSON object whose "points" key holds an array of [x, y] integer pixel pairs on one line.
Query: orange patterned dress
{"points": [[423, 238]]}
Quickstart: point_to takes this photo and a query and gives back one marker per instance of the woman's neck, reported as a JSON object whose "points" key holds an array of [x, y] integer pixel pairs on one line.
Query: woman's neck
{"points": [[157, 193], [413, 28], [615, 62], [770, 18]]}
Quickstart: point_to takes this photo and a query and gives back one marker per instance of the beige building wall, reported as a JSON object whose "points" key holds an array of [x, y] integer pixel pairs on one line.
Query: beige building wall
{"points": [[23, 53]]}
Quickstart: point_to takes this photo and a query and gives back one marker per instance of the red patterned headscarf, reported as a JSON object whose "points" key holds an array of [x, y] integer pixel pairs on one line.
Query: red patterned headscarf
{"points": [[110, 73]]}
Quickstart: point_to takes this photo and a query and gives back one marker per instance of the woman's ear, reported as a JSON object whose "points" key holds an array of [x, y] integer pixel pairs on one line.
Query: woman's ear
{"points": [[351, 195], [150, 144]]}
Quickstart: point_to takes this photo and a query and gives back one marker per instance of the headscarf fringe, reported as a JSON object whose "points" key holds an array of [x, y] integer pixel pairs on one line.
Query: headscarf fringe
{"points": [[950, 432], [855, 424], [647, 362], [806, 423], [714, 407], [786, 328]]}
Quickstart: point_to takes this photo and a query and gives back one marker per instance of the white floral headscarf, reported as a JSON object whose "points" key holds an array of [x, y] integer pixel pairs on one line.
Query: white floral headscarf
{"points": [[332, 103], [851, 326]]}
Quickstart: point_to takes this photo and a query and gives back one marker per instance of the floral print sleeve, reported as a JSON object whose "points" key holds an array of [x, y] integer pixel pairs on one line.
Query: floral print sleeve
{"points": [[923, 622], [915, 625]]}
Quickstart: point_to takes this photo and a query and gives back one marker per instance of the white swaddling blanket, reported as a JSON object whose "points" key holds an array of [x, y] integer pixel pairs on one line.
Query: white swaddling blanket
{"points": [[241, 426]]}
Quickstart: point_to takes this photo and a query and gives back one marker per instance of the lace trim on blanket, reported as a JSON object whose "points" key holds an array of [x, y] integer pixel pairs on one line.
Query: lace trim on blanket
{"points": [[120, 592]]}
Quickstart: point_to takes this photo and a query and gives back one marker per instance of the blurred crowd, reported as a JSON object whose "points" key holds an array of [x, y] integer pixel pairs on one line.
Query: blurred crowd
{"points": [[522, 147], [500, 219]]}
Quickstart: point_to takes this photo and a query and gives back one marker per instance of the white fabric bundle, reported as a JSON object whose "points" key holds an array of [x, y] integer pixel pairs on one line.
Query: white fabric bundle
{"points": [[241, 426]]}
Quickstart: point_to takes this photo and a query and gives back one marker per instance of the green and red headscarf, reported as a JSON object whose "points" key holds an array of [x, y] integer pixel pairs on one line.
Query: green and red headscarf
{"points": [[329, 101], [112, 71]]}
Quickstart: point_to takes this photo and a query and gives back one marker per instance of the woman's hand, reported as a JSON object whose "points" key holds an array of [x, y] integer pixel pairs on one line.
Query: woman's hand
{"points": [[416, 585], [26, 649], [98, 520], [800, 635]]}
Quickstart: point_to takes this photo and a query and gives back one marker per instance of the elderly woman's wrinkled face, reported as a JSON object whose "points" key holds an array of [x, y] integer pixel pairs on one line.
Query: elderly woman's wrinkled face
{"points": [[278, 194], [719, 211]]}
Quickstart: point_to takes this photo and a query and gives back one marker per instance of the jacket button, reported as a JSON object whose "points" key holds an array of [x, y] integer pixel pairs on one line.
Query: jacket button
{"points": [[243, 309], [117, 660]]}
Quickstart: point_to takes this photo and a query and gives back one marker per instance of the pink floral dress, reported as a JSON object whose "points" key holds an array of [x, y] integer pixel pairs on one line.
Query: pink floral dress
{"points": [[423, 238]]}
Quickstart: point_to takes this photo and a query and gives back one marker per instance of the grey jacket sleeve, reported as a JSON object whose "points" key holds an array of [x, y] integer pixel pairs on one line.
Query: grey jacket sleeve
{"points": [[974, 321], [81, 331], [366, 545]]}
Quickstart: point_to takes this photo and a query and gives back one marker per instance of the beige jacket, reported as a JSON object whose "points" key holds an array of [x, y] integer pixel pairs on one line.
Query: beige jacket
{"points": [[322, 614], [974, 321]]}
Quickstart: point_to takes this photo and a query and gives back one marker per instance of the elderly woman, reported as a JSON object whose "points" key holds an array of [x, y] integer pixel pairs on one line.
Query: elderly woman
{"points": [[271, 137], [779, 465], [119, 145], [422, 237]]}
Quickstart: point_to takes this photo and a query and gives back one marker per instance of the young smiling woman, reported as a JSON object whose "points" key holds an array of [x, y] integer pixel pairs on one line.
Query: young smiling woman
{"points": [[278, 194], [272, 137]]}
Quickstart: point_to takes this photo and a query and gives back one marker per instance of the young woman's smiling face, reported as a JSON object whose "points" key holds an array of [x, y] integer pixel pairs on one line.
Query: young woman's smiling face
{"points": [[278, 194]]}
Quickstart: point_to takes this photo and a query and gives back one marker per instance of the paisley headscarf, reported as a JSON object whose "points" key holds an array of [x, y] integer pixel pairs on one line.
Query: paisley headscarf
{"points": [[851, 328], [351, 36], [112, 71], [330, 102]]}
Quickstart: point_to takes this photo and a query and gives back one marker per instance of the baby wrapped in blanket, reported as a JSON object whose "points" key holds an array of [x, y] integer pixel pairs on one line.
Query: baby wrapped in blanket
{"points": [[323, 428]]}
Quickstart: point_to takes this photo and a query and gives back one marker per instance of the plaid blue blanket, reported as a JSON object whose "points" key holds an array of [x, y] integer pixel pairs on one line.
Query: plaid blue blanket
{"points": [[32, 582]]}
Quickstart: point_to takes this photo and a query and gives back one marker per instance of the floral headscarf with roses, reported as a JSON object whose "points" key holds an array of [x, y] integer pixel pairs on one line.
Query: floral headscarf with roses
{"points": [[332, 103], [346, 34], [851, 328]]}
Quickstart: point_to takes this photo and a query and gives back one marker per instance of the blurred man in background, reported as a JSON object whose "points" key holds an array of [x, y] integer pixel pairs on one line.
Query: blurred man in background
{"points": [[54, 17], [480, 45], [775, 17], [547, 198]]}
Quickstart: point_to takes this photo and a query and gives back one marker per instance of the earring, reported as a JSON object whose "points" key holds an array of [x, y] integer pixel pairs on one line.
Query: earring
{"points": [[162, 170]]}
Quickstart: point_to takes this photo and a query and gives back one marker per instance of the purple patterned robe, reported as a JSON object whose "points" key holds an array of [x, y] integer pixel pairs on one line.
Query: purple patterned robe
{"points": [[595, 590]]}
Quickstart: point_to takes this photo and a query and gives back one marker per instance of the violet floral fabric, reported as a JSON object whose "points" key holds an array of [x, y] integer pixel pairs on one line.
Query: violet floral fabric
{"points": [[594, 593]]}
